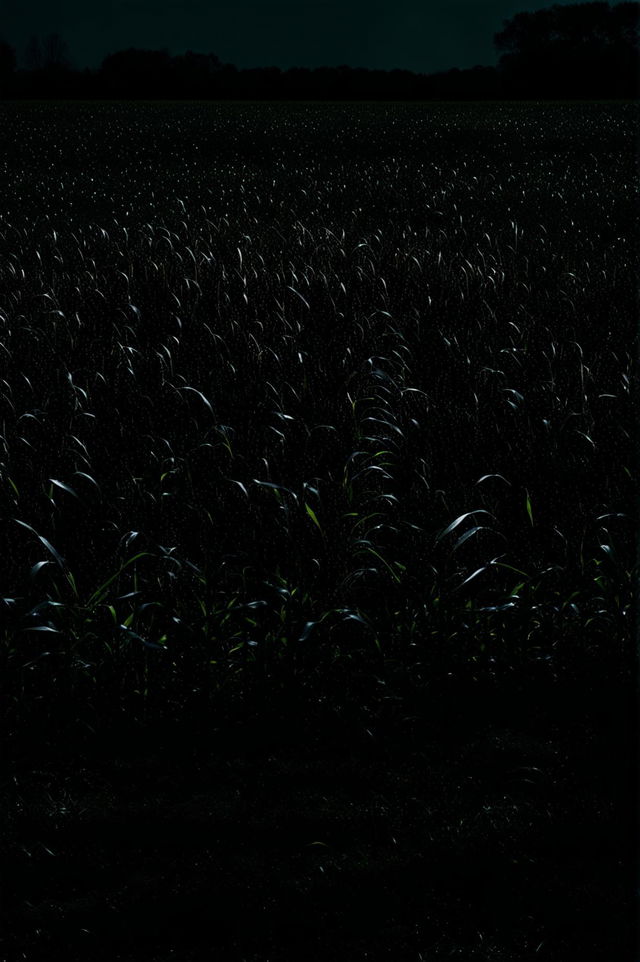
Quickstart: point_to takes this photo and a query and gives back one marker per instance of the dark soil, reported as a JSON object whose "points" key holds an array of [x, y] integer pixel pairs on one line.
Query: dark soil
{"points": [[478, 824]]}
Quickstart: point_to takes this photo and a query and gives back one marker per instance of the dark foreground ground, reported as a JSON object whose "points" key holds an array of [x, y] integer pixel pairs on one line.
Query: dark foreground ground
{"points": [[473, 824]]}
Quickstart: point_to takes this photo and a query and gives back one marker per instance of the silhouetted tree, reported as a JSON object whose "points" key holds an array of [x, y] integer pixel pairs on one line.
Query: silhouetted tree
{"points": [[48, 68], [582, 50], [298, 83], [33, 55], [137, 73], [259, 83], [195, 74], [228, 81], [7, 67], [56, 77], [55, 53]]}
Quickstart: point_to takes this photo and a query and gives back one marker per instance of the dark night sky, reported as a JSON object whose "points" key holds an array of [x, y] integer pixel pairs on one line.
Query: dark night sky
{"points": [[419, 35]]}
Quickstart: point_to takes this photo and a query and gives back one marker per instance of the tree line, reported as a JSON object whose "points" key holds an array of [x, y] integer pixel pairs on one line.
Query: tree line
{"points": [[581, 51]]}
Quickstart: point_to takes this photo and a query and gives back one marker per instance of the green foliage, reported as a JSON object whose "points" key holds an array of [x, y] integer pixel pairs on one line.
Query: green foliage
{"points": [[331, 392]]}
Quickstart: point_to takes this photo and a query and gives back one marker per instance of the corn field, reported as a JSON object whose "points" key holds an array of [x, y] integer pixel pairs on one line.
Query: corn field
{"points": [[304, 394]]}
